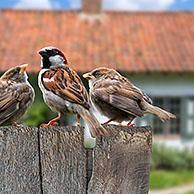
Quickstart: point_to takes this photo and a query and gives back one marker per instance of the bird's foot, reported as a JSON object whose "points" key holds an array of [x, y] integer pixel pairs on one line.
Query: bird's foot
{"points": [[53, 122], [50, 124], [130, 124], [14, 124]]}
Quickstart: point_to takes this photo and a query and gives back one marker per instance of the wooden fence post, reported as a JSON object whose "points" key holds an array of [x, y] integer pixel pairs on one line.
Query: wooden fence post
{"points": [[54, 161], [19, 161], [122, 163], [63, 160]]}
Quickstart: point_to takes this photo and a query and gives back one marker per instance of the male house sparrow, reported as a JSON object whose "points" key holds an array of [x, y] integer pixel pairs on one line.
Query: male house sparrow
{"points": [[117, 98], [16, 94], [63, 90]]}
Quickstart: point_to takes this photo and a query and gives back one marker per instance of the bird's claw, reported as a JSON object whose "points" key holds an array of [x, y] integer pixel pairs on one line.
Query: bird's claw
{"points": [[130, 124], [49, 124], [17, 125]]}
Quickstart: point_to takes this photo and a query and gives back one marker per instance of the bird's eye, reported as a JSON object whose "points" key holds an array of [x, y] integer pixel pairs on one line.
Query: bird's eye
{"points": [[55, 52], [96, 74], [17, 70]]}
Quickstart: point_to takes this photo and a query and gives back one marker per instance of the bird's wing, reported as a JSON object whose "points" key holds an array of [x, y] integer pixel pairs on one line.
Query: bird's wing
{"points": [[116, 97], [147, 98], [65, 83], [121, 86], [135, 92], [10, 99], [128, 89]]}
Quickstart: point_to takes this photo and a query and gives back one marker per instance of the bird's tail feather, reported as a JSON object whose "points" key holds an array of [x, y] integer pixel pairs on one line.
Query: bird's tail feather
{"points": [[96, 129], [162, 114]]}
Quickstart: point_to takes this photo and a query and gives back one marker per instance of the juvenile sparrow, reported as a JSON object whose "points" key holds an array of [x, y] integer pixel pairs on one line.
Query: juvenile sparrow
{"points": [[16, 94], [63, 90], [117, 98]]}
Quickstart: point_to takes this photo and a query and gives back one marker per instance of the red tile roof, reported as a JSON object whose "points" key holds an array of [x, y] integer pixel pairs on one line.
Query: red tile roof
{"points": [[128, 41]]}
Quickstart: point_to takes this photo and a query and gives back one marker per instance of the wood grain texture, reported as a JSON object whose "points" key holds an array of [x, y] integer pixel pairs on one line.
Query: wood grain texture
{"points": [[54, 161], [63, 160], [19, 161], [122, 162]]}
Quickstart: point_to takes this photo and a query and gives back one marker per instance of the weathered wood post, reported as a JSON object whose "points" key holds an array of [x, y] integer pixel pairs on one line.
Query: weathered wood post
{"points": [[54, 161], [19, 161], [122, 163]]}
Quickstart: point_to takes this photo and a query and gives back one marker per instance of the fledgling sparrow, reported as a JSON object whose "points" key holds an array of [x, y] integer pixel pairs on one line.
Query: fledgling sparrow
{"points": [[16, 95], [117, 98], [63, 90]]}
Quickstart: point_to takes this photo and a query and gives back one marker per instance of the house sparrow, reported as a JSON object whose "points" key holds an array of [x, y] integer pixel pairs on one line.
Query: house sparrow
{"points": [[117, 98], [16, 94], [63, 90]]}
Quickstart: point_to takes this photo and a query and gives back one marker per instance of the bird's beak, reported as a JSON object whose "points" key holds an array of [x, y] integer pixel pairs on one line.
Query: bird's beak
{"points": [[88, 76], [23, 68]]}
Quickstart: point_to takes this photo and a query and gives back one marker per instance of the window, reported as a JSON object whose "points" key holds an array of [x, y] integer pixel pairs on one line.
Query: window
{"points": [[189, 117], [173, 105]]}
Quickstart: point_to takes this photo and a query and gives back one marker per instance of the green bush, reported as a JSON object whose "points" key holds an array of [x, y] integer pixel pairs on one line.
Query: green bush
{"points": [[164, 157], [37, 114]]}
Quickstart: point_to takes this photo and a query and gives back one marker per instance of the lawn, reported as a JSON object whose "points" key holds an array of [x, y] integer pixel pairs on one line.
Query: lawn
{"points": [[191, 192], [165, 179]]}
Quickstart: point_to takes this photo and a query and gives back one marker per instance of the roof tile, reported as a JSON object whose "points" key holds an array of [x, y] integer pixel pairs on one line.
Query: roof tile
{"points": [[128, 41]]}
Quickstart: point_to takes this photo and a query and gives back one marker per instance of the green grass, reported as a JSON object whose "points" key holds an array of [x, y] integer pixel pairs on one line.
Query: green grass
{"points": [[190, 192], [161, 179]]}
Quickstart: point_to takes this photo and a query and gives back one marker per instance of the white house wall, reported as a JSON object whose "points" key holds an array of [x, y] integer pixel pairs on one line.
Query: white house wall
{"points": [[164, 84]]}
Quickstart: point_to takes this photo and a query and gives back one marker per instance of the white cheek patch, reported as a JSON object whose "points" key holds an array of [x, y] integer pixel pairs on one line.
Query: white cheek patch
{"points": [[41, 63], [56, 60], [26, 76], [48, 80], [90, 84]]}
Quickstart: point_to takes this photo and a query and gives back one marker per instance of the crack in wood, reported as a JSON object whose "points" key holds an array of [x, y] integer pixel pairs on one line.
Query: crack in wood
{"points": [[40, 162], [54, 161], [89, 167]]}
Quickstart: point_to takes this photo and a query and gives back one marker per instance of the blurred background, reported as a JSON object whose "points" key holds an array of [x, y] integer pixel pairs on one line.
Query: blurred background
{"points": [[149, 41]]}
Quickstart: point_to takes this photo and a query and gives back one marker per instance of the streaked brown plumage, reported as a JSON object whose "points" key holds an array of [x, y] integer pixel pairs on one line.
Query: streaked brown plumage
{"points": [[16, 95], [63, 90], [118, 99]]}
